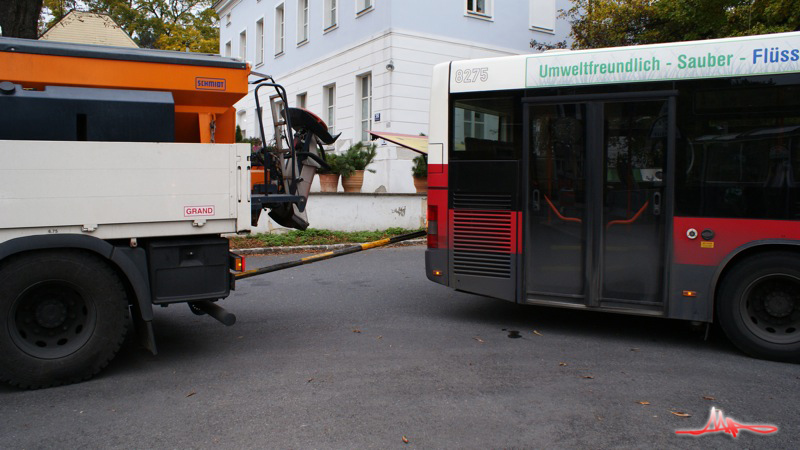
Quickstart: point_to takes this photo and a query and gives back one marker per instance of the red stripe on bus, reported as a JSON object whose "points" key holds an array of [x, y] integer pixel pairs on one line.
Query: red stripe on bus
{"points": [[437, 175], [729, 234]]}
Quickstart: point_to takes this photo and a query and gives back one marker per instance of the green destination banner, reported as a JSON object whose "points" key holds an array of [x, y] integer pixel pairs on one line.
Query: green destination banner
{"points": [[770, 54]]}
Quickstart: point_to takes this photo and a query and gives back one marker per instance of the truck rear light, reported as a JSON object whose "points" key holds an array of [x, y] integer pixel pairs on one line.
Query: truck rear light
{"points": [[237, 262], [433, 226]]}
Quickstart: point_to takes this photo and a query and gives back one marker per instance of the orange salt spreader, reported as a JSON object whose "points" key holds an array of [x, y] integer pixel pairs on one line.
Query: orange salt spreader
{"points": [[56, 91], [203, 87]]}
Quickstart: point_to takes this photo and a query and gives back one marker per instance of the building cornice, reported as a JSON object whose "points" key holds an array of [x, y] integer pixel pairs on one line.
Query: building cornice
{"points": [[222, 5], [387, 34]]}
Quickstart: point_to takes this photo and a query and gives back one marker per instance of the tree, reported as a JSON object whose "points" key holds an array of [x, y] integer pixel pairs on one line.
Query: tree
{"points": [[165, 24], [20, 18], [611, 23], [55, 10]]}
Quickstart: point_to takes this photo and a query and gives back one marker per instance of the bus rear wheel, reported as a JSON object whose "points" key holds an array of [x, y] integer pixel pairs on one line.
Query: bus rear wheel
{"points": [[758, 306], [63, 317]]}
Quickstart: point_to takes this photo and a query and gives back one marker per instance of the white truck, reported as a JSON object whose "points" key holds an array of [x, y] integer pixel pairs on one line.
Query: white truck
{"points": [[118, 178]]}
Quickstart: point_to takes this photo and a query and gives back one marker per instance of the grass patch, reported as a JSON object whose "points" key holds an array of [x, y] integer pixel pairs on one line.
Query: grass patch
{"points": [[314, 236]]}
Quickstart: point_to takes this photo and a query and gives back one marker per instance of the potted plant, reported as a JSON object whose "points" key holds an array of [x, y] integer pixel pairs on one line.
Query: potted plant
{"points": [[353, 164], [329, 179], [420, 172]]}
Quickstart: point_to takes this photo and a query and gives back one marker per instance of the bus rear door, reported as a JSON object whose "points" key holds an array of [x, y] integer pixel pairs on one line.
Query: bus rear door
{"points": [[598, 206]]}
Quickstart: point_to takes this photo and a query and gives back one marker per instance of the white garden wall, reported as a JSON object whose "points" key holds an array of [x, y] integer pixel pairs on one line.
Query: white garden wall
{"points": [[358, 212]]}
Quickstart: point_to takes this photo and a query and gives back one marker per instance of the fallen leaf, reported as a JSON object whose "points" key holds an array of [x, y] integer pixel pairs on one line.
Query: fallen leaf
{"points": [[588, 377], [380, 337], [405, 440], [190, 394], [479, 339], [708, 397], [681, 414], [310, 380], [643, 403], [536, 333], [356, 330], [562, 364], [634, 349]]}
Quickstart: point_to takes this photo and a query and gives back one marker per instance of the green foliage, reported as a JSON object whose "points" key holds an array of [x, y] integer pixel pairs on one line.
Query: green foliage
{"points": [[335, 162], [239, 136], [611, 23], [357, 157], [165, 24], [420, 167], [56, 9], [314, 236]]}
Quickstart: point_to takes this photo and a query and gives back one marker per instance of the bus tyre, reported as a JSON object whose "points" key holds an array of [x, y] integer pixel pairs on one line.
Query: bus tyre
{"points": [[63, 317], [758, 306]]}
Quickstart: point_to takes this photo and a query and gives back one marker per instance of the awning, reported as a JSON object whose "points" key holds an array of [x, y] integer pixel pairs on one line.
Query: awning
{"points": [[418, 144]]}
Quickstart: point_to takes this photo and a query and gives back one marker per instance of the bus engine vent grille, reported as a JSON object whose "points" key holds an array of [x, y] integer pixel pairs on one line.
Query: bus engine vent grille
{"points": [[481, 201], [483, 243]]}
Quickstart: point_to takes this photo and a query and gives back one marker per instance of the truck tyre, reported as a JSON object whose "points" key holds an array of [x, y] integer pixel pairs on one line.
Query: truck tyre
{"points": [[758, 306], [63, 317]]}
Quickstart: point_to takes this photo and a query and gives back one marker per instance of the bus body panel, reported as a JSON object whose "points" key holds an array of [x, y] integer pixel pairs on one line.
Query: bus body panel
{"points": [[728, 106]]}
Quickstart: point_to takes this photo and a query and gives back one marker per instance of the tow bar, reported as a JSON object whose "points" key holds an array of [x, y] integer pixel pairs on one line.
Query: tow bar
{"points": [[228, 319], [329, 255]]}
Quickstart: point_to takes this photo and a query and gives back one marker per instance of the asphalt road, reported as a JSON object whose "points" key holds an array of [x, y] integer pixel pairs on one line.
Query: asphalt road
{"points": [[362, 351]]}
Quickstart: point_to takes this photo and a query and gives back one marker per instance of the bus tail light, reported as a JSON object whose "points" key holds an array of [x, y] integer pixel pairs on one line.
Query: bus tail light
{"points": [[433, 226]]}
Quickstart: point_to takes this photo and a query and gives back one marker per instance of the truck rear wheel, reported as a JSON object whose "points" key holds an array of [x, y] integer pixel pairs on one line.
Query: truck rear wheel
{"points": [[63, 317], [758, 306]]}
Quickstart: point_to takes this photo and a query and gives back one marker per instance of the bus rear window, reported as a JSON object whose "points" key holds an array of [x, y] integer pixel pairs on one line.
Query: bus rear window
{"points": [[486, 129]]}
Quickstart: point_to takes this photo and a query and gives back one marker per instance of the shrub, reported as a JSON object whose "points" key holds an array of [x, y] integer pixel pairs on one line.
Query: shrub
{"points": [[357, 157], [420, 167], [334, 161]]}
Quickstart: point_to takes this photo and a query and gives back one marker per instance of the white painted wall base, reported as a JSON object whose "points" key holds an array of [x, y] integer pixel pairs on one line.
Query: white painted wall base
{"points": [[358, 212]]}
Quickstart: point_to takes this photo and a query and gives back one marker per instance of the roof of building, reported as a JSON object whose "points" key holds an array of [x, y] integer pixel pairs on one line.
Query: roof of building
{"points": [[88, 28]]}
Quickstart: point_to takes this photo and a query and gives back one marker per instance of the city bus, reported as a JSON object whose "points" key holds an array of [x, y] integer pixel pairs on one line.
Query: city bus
{"points": [[659, 180]]}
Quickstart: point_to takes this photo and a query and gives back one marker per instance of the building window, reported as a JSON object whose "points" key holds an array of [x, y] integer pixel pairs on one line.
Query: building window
{"points": [[243, 45], [279, 29], [228, 49], [543, 15], [260, 41], [330, 14], [365, 88], [301, 100], [302, 21], [363, 6], [241, 122], [329, 105], [479, 8]]}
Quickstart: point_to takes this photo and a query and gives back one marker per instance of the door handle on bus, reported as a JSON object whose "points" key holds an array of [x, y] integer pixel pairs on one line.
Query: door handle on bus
{"points": [[657, 203], [535, 205], [629, 220]]}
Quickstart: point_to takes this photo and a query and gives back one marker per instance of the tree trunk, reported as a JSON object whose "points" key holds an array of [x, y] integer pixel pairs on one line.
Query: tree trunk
{"points": [[20, 18]]}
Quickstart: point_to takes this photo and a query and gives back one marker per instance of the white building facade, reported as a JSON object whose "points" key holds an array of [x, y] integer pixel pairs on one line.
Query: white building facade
{"points": [[366, 64]]}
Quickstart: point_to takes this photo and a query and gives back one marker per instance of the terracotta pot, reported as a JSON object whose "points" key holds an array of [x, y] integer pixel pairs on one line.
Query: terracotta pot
{"points": [[421, 184], [329, 182], [353, 183]]}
